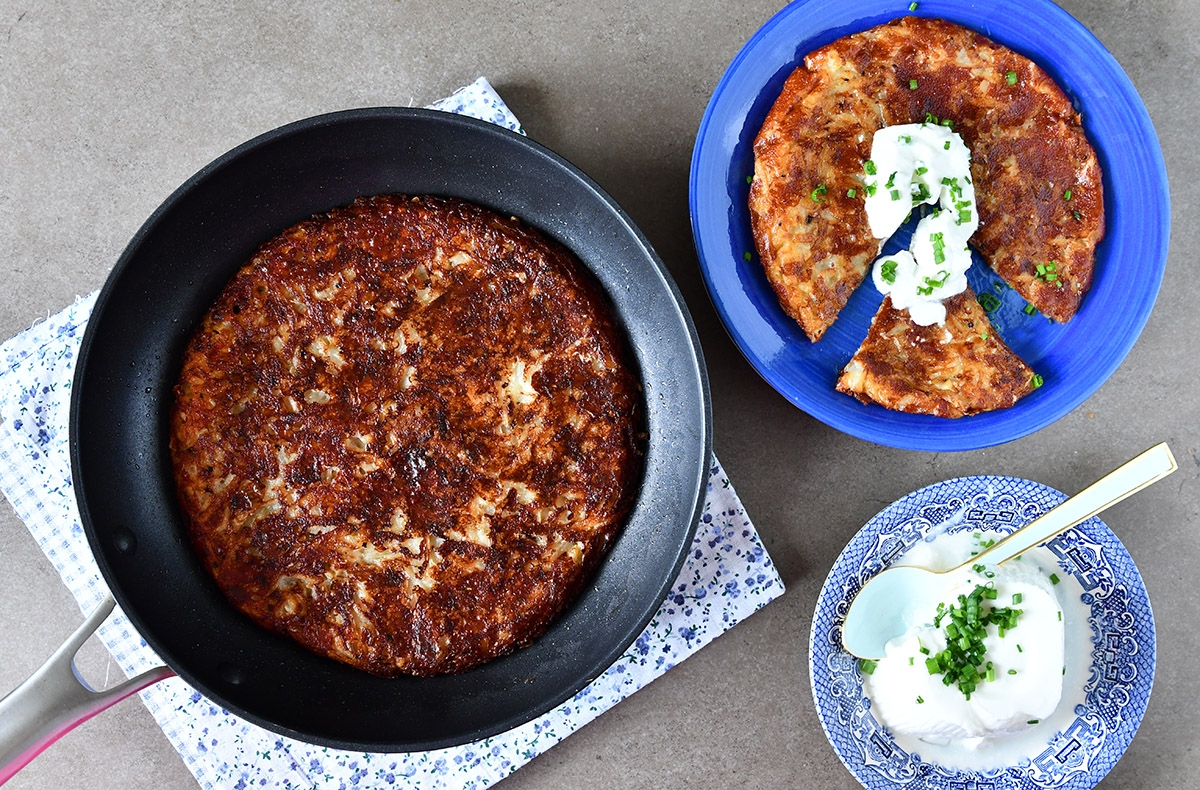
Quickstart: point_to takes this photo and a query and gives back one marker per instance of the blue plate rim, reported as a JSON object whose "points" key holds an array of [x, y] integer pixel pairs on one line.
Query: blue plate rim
{"points": [[872, 423]]}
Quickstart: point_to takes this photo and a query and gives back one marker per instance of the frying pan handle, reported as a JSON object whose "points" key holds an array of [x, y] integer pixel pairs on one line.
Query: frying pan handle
{"points": [[56, 699]]}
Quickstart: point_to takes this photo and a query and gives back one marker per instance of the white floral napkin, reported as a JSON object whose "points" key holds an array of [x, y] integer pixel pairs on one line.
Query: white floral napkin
{"points": [[727, 577]]}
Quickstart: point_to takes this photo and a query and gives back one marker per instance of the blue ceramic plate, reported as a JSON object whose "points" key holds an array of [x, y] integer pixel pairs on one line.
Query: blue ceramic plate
{"points": [[1074, 359], [1116, 686]]}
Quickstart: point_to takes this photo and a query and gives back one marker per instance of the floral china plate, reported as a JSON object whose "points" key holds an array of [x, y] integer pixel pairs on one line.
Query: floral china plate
{"points": [[1113, 682]]}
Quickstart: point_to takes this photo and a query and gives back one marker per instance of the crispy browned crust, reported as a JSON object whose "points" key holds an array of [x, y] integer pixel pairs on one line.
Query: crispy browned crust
{"points": [[948, 371], [405, 433], [1027, 146]]}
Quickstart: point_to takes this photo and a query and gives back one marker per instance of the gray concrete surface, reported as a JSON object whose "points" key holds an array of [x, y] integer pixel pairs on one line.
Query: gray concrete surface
{"points": [[106, 107]]}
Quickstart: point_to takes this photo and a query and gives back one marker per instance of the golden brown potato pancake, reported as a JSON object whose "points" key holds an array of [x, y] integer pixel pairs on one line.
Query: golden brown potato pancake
{"points": [[405, 433], [1036, 177], [953, 370]]}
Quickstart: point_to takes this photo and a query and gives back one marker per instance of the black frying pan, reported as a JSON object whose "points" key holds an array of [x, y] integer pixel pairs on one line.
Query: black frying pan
{"points": [[172, 271]]}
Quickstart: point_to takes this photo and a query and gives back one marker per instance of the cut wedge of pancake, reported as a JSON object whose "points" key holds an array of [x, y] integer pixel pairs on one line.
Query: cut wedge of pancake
{"points": [[1037, 179], [954, 370]]}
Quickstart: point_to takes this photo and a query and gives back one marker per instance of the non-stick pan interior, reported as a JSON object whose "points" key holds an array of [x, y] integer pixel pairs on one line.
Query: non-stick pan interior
{"points": [[169, 275]]}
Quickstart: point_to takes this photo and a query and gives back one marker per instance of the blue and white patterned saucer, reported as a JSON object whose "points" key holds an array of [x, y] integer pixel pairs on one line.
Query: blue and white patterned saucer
{"points": [[1117, 685]]}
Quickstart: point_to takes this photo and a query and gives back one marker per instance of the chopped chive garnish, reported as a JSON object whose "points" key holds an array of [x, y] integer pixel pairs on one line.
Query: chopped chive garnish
{"points": [[920, 171], [749, 179], [1060, 616], [1030, 309], [1017, 598], [912, 84], [1032, 721], [871, 187], [746, 256], [1076, 215], [867, 666], [1054, 578], [887, 272], [947, 145], [912, 6], [1019, 650], [983, 336], [978, 567], [911, 659], [1037, 380], [989, 303], [1012, 671], [851, 192], [961, 663], [1067, 195], [1011, 77], [948, 123], [891, 182], [869, 167], [1064, 669], [939, 251], [920, 700], [819, 193], [895, 194]]}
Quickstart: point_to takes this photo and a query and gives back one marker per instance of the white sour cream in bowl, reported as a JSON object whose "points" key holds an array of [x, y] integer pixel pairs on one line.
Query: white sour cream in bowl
{"points": [[1057, 711], [988, 664]]}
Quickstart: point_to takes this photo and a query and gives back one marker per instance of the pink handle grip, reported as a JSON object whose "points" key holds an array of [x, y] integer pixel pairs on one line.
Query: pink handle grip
{"points": [[55, 700]]}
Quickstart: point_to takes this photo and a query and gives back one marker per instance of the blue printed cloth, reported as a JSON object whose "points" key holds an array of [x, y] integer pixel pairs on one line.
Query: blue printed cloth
{"points": [[727, 577]]}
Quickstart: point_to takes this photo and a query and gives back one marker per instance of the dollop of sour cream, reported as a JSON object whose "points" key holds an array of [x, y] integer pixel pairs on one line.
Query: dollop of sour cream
{"points": [[1027, 661], [912, 165]]}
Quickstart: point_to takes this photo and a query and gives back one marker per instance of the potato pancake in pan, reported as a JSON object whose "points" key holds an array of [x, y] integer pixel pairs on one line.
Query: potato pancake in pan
{"points": [[1037, 179], [405, 434]]}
